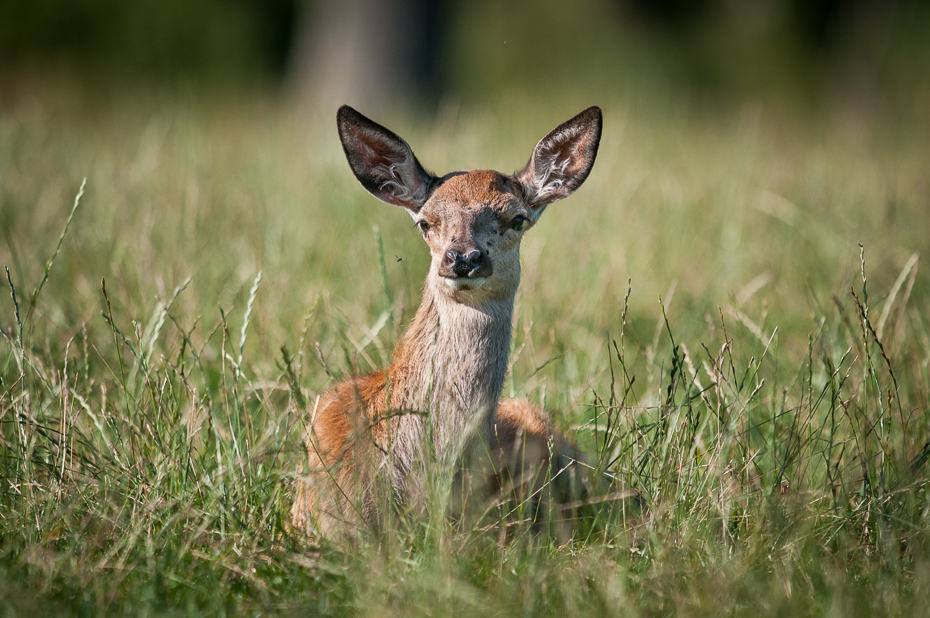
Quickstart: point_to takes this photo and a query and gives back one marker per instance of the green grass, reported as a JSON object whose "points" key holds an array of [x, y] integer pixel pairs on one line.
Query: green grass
{"points": [[772, 412]]}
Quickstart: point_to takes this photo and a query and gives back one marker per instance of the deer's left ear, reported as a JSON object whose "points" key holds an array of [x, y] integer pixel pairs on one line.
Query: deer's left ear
{"points": [[562, 160]]}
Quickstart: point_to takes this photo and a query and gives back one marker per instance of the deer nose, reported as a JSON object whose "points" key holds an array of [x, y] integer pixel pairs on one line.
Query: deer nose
{"points": [[463, 265]]}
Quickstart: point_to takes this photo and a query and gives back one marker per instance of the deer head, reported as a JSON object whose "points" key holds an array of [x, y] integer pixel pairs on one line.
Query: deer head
{"points": [[472, 221]]}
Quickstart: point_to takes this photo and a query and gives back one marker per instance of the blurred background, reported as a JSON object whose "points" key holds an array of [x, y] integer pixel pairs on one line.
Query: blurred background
{"points": [[749, 145], [864, 54]]}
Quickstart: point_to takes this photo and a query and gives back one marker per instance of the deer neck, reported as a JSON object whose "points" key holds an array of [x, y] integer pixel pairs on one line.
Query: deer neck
{"points": [[451, 365]]}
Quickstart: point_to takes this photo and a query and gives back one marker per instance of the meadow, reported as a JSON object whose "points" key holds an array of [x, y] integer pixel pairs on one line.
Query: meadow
{"points": [[729, 317]]}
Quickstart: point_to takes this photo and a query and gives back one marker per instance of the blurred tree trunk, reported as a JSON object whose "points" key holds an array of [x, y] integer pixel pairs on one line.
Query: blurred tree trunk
{"points": [[368, 53]]}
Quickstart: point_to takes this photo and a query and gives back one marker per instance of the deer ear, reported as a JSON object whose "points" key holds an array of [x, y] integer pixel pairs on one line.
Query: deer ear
{"points": [[382, 161], [562, 160]]}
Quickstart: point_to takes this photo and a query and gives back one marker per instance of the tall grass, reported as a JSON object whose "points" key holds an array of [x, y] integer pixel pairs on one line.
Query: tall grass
{"points": [[700, 317]]}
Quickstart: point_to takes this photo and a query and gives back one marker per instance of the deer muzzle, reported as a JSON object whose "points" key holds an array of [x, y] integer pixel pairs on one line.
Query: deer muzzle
{"points": [[465, 270]]}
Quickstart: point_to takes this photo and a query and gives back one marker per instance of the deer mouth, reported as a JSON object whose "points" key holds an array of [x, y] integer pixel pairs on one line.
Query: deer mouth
{"points": [[458, 284]]}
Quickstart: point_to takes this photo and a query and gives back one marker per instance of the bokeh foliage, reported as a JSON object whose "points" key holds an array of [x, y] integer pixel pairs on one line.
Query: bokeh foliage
{"points": [[770, 48], [149, 39]]}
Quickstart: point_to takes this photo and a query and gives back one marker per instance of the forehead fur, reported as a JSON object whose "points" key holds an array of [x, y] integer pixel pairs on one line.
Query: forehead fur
{"points": [[477, 189]]}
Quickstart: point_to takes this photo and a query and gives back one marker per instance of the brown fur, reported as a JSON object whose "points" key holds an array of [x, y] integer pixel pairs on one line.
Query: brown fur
{"points": [[436, 406]]}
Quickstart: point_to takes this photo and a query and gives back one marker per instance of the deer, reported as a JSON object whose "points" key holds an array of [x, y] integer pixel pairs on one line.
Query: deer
{"points": [[381, 439]]}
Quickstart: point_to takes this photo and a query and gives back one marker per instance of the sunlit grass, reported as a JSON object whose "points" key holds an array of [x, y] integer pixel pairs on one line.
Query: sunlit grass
{"points": [[770, 412]]}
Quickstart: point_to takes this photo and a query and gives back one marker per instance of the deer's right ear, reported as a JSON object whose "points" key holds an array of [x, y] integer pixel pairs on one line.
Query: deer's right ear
{"points": [[382, 161]]}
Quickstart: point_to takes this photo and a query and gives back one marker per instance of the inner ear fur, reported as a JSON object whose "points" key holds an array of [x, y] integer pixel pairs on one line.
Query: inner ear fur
{"points": [[382, 161], [562, 160]]}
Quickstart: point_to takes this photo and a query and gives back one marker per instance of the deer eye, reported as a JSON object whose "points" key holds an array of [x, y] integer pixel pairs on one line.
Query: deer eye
{"points": [[423, 225], [518, 223]]}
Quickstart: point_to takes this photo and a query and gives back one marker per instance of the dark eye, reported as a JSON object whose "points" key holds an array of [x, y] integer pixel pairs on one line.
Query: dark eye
{"points": [[423, 225], [518, 223]]}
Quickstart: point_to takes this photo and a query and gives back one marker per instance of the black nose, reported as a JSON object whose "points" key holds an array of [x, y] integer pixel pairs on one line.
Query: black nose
{"points": [[463, 265]]}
